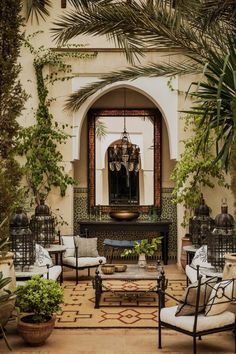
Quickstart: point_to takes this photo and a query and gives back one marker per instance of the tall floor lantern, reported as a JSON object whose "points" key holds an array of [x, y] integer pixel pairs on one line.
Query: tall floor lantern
{"points": [[42, 225], [222, 239], [201, 224], [22, 240]]}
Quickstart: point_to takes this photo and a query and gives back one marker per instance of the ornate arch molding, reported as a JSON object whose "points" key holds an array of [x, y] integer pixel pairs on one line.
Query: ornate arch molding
{"points": [[156, 89]]}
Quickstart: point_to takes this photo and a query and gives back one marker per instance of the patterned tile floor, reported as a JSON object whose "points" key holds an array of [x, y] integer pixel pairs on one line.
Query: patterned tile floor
{"points": [[120, 341]]}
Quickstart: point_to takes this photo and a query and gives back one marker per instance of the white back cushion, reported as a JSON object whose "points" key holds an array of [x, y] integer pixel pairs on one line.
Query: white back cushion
{"points": [[200, 257], [68, 241]]}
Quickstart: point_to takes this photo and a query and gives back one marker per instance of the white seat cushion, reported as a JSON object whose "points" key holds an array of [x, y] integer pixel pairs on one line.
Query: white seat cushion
{"points": [[84, 262], [68, 241], [203, 323], [53, 272]]}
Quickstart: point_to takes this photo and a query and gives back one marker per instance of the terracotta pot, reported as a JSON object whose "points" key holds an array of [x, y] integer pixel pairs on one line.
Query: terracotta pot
{"points": [[183, 259], [35, 333], [6, 309], [8, 270], [230, 266]]}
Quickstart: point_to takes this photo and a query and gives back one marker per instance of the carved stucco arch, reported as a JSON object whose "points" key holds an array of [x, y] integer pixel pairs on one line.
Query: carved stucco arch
{"points": [[155, 89]]}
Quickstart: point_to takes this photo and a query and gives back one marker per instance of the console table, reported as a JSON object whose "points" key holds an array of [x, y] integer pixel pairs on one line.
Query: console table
{"points": [[95, 227]]}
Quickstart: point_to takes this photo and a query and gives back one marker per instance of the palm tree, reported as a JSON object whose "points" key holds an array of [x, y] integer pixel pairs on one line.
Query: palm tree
{"points": [[203, 30]]}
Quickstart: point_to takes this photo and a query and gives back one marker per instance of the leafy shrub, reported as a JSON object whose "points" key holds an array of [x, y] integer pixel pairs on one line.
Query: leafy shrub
{"points": [[143, 246], [41, 297]]}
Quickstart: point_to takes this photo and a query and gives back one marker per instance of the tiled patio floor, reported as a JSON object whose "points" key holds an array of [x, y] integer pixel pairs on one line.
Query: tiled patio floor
{"points": [[121, 341]]}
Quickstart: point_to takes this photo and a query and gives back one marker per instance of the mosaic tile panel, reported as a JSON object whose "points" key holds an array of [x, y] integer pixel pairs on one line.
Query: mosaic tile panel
{"points": [[169, 211]]}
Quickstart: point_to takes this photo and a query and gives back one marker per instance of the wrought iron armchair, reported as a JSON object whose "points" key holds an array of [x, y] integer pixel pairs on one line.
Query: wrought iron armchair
{"points": [[211, 298]]}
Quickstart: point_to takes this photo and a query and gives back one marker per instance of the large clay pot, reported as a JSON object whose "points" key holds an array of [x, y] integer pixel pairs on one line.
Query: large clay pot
{"points": [[35, 333], [183, 259], [8, 270], [6, 309], [230, 266]]}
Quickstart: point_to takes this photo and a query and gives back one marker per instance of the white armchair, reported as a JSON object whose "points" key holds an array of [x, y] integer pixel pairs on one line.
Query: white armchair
{"points": [[81, 253], [204, 309]]}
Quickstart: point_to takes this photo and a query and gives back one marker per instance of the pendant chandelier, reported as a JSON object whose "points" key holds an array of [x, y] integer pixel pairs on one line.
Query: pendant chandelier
{"points": [[124, 152]]}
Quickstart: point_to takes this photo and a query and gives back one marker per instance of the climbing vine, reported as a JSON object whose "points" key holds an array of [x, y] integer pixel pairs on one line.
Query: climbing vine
{"points": [[40, 142], [12, 100], [196, 168]]}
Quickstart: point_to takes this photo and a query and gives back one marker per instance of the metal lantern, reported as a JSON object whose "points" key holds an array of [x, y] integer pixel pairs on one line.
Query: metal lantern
{"points": [[22, 240], [200, 224], [222, 239], [42, 225]]}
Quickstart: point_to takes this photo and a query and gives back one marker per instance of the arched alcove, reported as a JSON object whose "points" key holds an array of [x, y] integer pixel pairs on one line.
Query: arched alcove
{"points": [[113, 99]]}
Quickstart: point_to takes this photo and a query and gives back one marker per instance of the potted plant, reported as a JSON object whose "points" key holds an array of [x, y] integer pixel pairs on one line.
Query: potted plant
{"points": [[41, 299], [143, 248]]}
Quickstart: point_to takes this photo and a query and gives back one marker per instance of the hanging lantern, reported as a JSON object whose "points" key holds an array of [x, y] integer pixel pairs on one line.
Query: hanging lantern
{"points": [[42, 225], [200, 224], [222, 239], [22, 240]]}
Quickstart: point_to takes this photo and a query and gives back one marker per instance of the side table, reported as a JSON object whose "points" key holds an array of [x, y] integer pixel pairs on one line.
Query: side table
{"points": [[58, 251]]}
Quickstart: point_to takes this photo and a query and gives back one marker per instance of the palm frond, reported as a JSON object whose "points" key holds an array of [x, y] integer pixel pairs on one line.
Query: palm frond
{"points": [[37, 9]]}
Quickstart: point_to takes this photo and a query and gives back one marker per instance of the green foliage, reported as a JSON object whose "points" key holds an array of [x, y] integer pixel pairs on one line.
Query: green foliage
{"points": [[101, 129], [4, 240], [40, 296], [37, 9], [144, 246], [4, 294], [12, 99], [40, 143], [196, 168]]}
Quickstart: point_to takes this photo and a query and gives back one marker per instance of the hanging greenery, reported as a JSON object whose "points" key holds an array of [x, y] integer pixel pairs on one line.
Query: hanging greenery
{"points": [[196, 168], [12, 99], [40, 142]]}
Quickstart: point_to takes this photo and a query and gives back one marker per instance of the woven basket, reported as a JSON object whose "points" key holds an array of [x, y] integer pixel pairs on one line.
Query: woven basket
{"points": [[108, 269], [120, 267]]}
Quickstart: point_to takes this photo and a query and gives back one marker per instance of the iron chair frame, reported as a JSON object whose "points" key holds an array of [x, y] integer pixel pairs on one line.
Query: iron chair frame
{"points": [[76, 267], [194, 333]]}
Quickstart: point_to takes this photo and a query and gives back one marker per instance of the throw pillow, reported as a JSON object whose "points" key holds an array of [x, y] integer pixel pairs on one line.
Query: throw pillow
{"points": [[68, 241], [187, 304], [200, 257], [87, 247], [220, 298], [42, 256]]}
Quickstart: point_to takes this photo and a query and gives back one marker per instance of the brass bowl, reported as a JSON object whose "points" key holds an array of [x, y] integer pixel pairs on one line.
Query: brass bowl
{"points": [[120, 267], [124, 215]]}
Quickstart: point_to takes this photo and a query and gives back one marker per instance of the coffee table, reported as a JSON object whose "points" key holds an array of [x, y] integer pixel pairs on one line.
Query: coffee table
{"points": [[132, 274]]}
